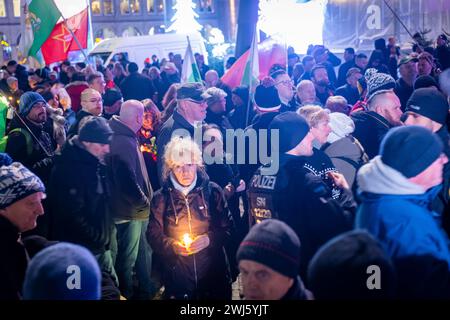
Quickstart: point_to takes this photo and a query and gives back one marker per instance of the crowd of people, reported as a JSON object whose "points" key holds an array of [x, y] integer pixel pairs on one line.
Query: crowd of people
{"points": [[101, 168]]}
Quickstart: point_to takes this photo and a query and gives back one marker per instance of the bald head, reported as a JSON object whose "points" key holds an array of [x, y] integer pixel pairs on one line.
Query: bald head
{"points": [[131, 114], [211, 78]]}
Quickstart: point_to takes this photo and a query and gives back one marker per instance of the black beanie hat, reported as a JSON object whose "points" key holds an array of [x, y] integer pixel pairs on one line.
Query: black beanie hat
{"points": [[292, 127], [111, 96], [410, 149], [338, 270], [96, 130], [266, 98], [429, 103], [274, 244], [425, 82]]}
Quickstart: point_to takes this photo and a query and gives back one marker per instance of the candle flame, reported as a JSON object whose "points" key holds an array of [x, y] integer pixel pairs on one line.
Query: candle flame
{"points": [[187, 240]]}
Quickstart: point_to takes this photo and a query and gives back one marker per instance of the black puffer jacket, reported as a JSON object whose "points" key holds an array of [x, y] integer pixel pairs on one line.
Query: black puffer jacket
{"points": [[169, 221], [79, 199]]}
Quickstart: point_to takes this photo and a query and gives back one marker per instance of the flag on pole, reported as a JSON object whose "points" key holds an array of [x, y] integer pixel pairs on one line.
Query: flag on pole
{"points": [[39, 19], [61, 41], [250, 77], [190, 71], [270, 52]]}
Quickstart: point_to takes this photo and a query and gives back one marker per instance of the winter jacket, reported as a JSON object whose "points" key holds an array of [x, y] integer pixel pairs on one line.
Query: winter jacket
{"points": [[131, 190], [442, 54], [13, 263], [24, 148], [79, 203], [202, 211], [396, 212], [74, 89], [73, 130], [350, 94], [347, 156], [175, 122], [370, 129], [302, 200], [137, 86], [403, 92], [298, 291]]}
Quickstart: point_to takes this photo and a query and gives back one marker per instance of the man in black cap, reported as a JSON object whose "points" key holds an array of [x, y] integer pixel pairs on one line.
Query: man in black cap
{"points": [[77, 192], [293, 194], [189, 113], [112, 101], [269, 259], [428, 108], [442, 52], [404, 87]]}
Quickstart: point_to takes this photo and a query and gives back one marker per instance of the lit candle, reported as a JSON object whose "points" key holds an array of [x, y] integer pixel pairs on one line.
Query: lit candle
{"points": [[187, 240]]}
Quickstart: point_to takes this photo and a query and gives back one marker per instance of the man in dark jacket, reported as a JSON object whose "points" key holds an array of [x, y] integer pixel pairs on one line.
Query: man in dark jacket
{"points": [[442, 52], [349, 57], [428, 108], [271, 247], [28, 143], [21, 193], [397, 189], [131, 191], [296, 196], [405, 84], [136, 86], [190, 111], [78, 196], [384, 113], [350, 90]]}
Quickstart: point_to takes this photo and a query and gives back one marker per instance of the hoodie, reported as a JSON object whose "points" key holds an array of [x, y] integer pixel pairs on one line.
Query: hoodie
{"points": [[396, 212]]}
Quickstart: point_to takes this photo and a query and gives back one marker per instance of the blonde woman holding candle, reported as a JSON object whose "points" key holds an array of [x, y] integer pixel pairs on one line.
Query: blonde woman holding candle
{"points": [[189, 226]]}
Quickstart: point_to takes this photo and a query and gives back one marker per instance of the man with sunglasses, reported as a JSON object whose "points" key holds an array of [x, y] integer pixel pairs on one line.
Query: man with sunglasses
{"points": [[286, 90], [189, 113]]}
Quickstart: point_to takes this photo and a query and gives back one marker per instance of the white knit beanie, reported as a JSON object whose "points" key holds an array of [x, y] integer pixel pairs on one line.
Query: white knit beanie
{"points": [[341, 126]]}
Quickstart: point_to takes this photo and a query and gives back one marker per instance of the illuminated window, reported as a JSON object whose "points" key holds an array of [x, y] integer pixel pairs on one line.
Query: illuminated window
{"points": [[135, 6], [151, 6], [105, 33], [108, 7], [205, 6], [124, 7], [160, 6], [16, 8], [2, 8], [96, 7]]}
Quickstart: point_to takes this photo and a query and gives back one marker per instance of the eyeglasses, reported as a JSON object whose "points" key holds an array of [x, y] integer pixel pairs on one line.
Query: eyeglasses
{"points": [[195, 101], [287, 83]]}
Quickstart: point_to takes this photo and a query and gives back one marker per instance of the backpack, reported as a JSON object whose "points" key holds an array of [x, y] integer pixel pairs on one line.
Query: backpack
{"points": [[28, 140]]}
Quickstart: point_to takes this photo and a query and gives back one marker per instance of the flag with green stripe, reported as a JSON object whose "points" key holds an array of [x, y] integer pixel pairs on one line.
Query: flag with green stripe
{"points": [[190, 71]]}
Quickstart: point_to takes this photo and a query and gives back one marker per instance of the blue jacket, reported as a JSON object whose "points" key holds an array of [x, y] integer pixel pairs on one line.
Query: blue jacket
{"points": [[397, 213]]}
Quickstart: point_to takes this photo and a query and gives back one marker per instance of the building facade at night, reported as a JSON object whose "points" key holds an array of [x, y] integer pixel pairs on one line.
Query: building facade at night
{"points": [[121, 18]]}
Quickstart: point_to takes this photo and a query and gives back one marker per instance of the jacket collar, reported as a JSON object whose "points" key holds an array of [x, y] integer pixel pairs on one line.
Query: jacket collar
{"points": [[120, 128], [8, 230], [181, 121]]}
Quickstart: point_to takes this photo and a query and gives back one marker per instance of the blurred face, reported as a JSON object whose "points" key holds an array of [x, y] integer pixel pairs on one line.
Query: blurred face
{"points": [[12, 69], [211, 79], [14, 85], [237, 101], [263, 283], [153, 73], [321, 131], [431, 176], [219, 106], [114, 109], [321, 78], [353, 79], [414, 119], [98, 150], [99, 85], [285, 87], [309, 65], [185, 174], [38, 113], [440, 42], [147, 122], [93, 104], [424, 67], [193, 110], [24, 213], [348, 56], [408, 70], [361, 62], [391, 41], [390, 109], [306, 93]]}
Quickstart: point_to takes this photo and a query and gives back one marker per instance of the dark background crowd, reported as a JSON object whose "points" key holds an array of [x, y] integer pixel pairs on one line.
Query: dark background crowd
{"points": [[363, 179]]}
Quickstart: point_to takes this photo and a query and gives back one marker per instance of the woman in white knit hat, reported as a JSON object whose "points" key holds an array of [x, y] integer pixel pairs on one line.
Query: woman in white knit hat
{"points": [[344, 150]]}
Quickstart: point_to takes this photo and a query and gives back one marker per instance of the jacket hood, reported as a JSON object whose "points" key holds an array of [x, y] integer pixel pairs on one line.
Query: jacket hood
{"points": [[344, 147], [119, 128], [376, 177], [363, 116]]}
